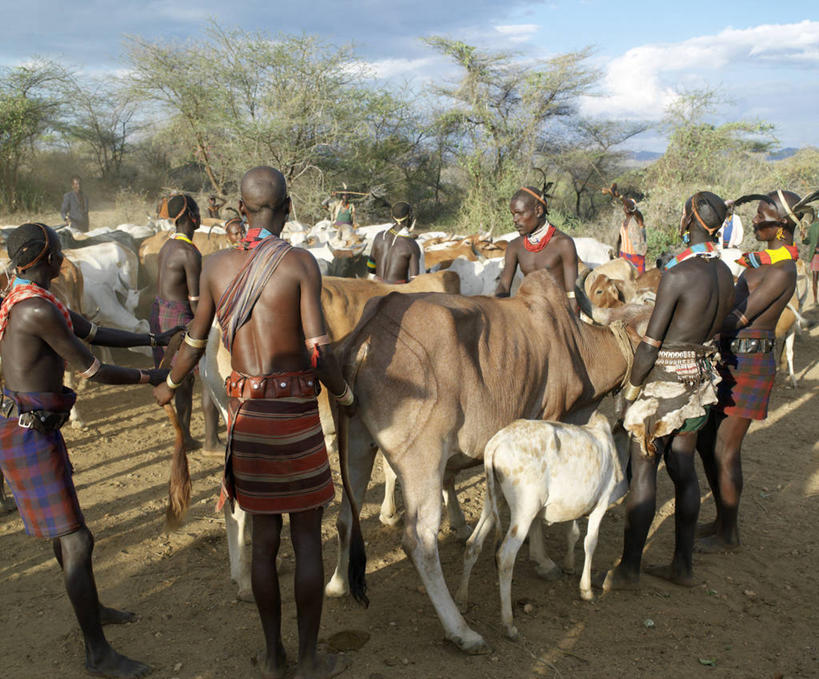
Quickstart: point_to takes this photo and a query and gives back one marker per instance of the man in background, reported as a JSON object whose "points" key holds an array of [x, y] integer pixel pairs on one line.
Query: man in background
{"points": [[75, 206]]}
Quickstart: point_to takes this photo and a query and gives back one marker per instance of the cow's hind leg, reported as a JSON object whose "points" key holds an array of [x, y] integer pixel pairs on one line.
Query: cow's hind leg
{"points": [[360, 465], [572, 535], [544, 566], [473, 549], [590, 544], [389, 513], [523, 516], [422, 521], [239, 550], [454, 513]]}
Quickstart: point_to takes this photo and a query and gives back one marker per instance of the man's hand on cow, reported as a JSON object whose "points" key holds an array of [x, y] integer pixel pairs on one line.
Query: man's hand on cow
{"points": [[162, 392], [163, 338]]}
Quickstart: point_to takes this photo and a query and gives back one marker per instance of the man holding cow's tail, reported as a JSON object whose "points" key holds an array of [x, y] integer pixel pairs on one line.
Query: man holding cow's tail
{"points": [[267, 298], [671, 388]]}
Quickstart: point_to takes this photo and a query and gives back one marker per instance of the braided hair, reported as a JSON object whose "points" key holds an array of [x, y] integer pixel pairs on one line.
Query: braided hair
{"points": [[29, 243]]}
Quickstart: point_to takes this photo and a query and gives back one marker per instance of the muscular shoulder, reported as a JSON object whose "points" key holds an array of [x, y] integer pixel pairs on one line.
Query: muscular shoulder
{"points": [[564, 243], [35, 315], [300, 261]]}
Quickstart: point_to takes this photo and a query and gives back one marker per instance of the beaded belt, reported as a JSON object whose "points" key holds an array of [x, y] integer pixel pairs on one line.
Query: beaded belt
{"points": [[276, 385], [751, 345]]}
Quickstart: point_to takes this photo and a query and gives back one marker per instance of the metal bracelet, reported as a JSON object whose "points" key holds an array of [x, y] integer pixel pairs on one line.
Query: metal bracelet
{"points": [[630, 392], [171, 384], [92, 369], [144, 377], [152, 339], [195, 343], [92, 333], [346, 397]]}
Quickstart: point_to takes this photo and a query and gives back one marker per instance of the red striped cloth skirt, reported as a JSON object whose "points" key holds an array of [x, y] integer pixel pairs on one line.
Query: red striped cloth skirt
{"points": [[747, 379], [37, 468], [276, 460], [638, 261]]}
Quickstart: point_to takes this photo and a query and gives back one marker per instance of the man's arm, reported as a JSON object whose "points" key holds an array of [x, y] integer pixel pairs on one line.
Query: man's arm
{"points": [[43, 319], [193, 272], [668, 293], [312, 321], [510, 265], [110, 337], [569, 260], [415, 260], [777, 282]]}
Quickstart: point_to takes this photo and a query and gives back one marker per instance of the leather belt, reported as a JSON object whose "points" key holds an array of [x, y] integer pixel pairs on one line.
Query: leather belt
{"points": [[277, 385], [42, 420], [751, 345]]}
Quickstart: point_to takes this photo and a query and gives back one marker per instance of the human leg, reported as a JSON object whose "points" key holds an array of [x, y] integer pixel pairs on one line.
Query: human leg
{"points": [[730, 434], [706, 447], [183, 400], [265, 583], [73, 552], [679, 460], [641, 505], [305, 532]]}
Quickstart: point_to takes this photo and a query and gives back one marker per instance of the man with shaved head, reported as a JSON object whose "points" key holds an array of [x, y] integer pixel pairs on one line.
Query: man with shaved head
{"points": [[267, 298]]}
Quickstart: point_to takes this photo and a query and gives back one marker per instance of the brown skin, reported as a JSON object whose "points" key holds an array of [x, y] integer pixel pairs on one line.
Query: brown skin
{"points": [[761, 295], [179, 269], [559, 257], [287, 312], [35, 348], [397, 258], [235, 232], [214, 205], [692, 300]]}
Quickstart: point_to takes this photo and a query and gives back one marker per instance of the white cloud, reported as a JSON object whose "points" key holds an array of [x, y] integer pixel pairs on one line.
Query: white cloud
{"points": [[645, 80], [518, 32], [391, 68]]}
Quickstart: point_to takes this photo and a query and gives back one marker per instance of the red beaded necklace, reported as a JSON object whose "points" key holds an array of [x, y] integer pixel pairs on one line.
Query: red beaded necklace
{"points": [[542, 243]]}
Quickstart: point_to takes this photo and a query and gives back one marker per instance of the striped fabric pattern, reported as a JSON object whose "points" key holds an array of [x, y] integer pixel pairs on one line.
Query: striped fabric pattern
{"points": [[638, 261], [37, 468], [240, 296], [747, 379], [276, 460], [165, 315], [19, 293]]}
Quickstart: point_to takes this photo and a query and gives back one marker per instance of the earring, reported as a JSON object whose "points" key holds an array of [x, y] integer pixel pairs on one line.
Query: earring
{"points": [[780, 233], [686, 239]]}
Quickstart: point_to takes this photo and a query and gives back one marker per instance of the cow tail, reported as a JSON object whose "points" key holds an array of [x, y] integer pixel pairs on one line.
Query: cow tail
{"points": [[357, 568], [179, 485]]}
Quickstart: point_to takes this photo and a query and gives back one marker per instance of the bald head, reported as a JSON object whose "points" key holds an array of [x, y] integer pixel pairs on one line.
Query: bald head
{"points": [[263, 188]]}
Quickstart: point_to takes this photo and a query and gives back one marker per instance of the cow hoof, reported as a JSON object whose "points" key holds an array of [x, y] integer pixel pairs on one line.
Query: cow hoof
{"points": [[463, 532], [586, 595], [471, 643], [511, 632], [246, 594], [390, 521], [81, 426], [337, 587], [550, 573]]}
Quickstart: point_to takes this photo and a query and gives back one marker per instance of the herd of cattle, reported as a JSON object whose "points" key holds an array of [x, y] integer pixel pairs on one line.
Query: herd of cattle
{"points": [[109, 275]]}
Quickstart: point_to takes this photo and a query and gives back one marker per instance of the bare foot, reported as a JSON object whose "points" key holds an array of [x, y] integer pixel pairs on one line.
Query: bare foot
{"points": [[714, 544], [111, 616], [706, 529], [671, 574], [325, 666], [617, 579], [271, 668], [112, 664]]}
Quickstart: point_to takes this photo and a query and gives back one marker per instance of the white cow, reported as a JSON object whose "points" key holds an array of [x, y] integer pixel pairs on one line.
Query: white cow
{"points": [[110, 294], [593, 252], [560, 471], [481, 277]]}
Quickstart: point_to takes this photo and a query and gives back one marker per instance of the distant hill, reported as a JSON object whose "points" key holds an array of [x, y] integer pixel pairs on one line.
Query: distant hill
{"points": [[645, 156], [782, 153]]}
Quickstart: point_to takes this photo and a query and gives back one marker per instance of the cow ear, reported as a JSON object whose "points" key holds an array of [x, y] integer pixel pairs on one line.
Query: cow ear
{"points": [[620, 285]]}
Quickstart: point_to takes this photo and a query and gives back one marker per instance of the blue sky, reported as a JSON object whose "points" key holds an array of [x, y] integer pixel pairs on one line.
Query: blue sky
{"points": [[764, 57]]}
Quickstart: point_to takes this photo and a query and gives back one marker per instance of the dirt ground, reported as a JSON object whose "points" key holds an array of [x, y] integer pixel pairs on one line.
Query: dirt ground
{"points": [[754, 613]]}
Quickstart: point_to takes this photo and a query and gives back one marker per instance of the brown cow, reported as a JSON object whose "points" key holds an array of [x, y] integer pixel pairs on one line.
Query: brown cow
{"points": [[436, 376]]}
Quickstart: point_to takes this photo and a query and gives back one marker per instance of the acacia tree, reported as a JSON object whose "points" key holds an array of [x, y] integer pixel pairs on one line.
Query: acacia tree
{"points": [[30, 105], [103, 120], [500, 111], [587, 155]]}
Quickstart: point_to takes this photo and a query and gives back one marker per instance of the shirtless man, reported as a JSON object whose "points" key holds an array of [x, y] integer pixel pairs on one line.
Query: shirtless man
{"points": [[180, 264], [235, 230], [214, 205], [395, 256], [672, 386], [38, 335], [268, 301], [748, 367], [540, 245]]}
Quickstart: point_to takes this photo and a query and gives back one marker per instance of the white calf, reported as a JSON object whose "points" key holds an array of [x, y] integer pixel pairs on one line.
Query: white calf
{"points": [[561, 471]]}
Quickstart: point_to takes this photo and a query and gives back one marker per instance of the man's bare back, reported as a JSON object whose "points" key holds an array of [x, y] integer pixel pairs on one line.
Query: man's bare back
{"points": [[396, 256]]}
